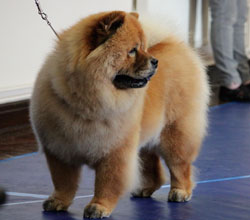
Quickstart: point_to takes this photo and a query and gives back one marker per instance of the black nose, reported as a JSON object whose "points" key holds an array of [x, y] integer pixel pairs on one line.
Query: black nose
{"points": [[154, 62]]}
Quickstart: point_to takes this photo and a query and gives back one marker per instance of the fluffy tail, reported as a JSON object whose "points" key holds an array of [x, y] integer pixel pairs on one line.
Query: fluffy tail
{"points": [[158, 30]]}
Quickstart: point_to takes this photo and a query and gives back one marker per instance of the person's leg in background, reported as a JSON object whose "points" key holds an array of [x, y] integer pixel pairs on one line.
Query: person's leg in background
{"points": [[239, 41], [224, 17], [224, 14]]}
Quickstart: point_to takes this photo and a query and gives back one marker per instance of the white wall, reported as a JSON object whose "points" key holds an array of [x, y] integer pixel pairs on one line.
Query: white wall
{"points": [[26, 38]]}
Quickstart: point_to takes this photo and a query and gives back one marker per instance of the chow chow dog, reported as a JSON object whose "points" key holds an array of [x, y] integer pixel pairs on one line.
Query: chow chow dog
{"points": [[117, 96]]}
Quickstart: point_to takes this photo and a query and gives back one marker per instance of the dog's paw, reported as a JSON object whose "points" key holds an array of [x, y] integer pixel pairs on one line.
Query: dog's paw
{"points": [[179, 195], [142, 193], [52, 204], [95, 210]]}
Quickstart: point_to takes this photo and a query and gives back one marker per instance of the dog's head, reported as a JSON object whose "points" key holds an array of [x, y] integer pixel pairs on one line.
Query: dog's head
{"points": [[114, 49], [123, 33]]}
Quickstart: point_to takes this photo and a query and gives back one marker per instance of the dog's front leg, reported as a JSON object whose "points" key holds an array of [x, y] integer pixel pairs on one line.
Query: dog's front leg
{"points": [[65, 179], [114, 176]]}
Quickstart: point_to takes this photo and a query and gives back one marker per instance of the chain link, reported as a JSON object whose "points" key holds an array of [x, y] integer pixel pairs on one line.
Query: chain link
{"points": [[44, 16]]}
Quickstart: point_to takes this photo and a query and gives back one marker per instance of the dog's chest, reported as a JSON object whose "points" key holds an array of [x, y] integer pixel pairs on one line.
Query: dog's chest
{"points": [[94, 139]]}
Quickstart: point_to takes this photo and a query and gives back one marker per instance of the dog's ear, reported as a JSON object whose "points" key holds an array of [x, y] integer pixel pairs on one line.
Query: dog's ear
{"points": [[106, 27], [135, 14]]}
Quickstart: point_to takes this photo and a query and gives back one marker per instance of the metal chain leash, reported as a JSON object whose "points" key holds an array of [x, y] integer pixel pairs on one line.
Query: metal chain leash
{"points": [[44, 16]]}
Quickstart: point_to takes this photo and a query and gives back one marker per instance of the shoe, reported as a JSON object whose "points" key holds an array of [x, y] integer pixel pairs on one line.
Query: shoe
{"points": [[248, 87], [242, 94]]}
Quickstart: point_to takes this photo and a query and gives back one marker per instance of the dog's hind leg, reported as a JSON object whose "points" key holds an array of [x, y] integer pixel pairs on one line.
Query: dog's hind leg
{"points": [[152, 173], [180, 145], [65, 179]]}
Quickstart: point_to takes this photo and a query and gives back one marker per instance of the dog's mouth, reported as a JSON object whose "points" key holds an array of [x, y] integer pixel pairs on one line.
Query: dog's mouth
{"points": [[122, 81]]}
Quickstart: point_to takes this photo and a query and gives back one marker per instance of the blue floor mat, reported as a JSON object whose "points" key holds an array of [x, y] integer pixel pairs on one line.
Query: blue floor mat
{"points": [[222, 192]]}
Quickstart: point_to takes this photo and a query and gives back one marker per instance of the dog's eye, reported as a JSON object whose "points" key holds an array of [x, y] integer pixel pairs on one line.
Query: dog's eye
{"points": [[132, 52]]}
